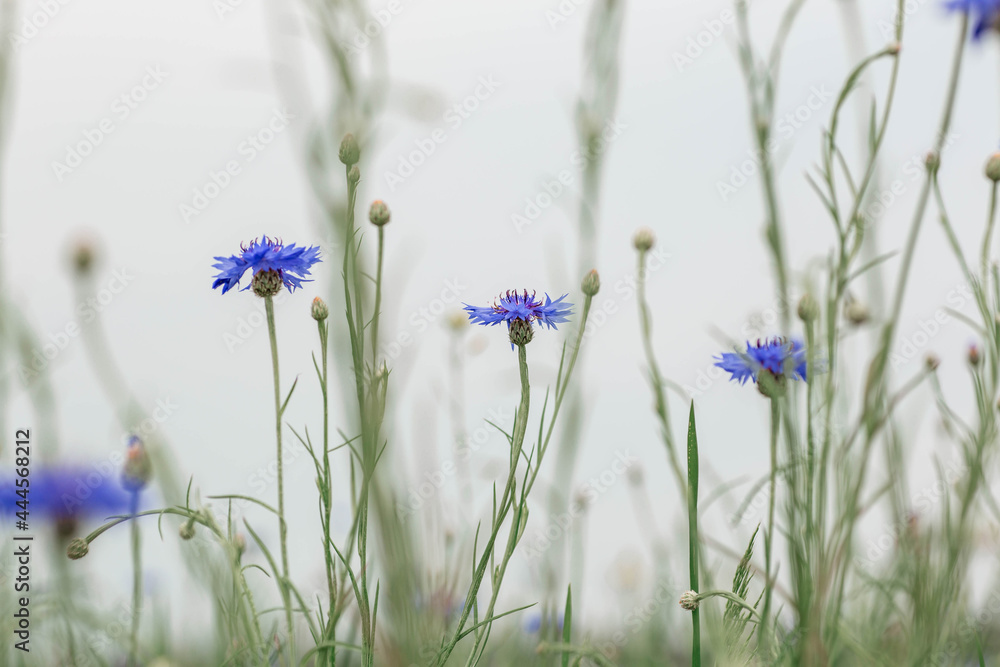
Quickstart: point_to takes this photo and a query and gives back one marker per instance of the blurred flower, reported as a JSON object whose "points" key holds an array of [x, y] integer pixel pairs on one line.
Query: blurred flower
{"points": [[62, 495], [777, 356], [984, 14], [291, 264], [138, 469], [534, 623]]}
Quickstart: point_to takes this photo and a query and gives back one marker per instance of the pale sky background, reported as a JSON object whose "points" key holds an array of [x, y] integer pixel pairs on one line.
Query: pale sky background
{"points": [[684, 129]]}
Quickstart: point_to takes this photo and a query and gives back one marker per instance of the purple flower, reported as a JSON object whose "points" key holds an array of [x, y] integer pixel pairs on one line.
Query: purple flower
{"points": [[779, 356], [521, 306], [983, 13], [64, 494], [291, 263]]}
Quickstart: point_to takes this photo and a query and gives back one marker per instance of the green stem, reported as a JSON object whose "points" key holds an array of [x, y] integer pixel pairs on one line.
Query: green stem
{"points": [[693, 543], [331, 582], [764, 639], [136, 585], [282, 528], [378, 295]]}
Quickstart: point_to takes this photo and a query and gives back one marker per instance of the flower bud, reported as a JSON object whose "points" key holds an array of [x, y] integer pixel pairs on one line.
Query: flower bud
{"points": [[932, 361], [379, 213], [643, 239], [138, 469], [973, 355], [521, 332], [354, 175], [83, 256], [932, 161], [808, 308], [689, 600], [319, 310], [993, 167], [856, 313], [457, 321], [240, 542], [187, 529], [266, 283], [591, 283], [78, 548], [350, 153]]}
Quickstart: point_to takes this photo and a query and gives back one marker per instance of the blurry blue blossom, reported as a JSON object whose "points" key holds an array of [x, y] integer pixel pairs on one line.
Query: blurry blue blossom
{"points": [[779, 356], [516, 305], [291, 263], [984, 14], [64, 494]]}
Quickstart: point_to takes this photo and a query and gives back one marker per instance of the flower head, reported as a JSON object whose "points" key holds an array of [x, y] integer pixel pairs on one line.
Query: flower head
{"points": [[138, 468], [984, 14], [290, 264], [778, 356], [520, 307], [64, 494]]}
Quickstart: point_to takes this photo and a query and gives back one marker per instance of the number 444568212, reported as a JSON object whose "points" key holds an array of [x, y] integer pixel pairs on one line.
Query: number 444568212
{"points": [[22, 460]]}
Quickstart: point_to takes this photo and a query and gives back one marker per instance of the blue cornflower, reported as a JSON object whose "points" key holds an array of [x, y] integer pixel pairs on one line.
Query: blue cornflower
{"points": [[64, 494], [778, 356], [985, 14], [288, 265]]}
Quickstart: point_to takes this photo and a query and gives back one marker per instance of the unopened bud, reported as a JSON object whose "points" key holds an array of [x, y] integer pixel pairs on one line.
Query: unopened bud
{"points": [[932, 362], [643, 239], [379, 213], [78, 548], [973, 355], [350, 153], [932, 161], [354, 175], [808, 308], [138, 468], [83, 256], [591, 283], [993, 167], [689, 600], [856, 313], [187, 529], [319, 310]]}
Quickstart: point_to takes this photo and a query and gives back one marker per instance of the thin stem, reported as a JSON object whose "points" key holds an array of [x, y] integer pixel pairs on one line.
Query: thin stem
{"points": [[136, 584], [282, 528], [378, 295], [764, 638]]}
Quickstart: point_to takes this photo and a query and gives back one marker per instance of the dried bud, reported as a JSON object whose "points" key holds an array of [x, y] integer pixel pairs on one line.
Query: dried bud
{"points": [[187, 529], [591, 283], [993, 167], [83, 256], [689, 600], [973, 355], [138, 469], [78, 548], [319, 310], [266, 283], [932, 362], [521, 332], [379, 213], [856, 313], [808, 308], [932, 161], [643, 239], [350, 153]]}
